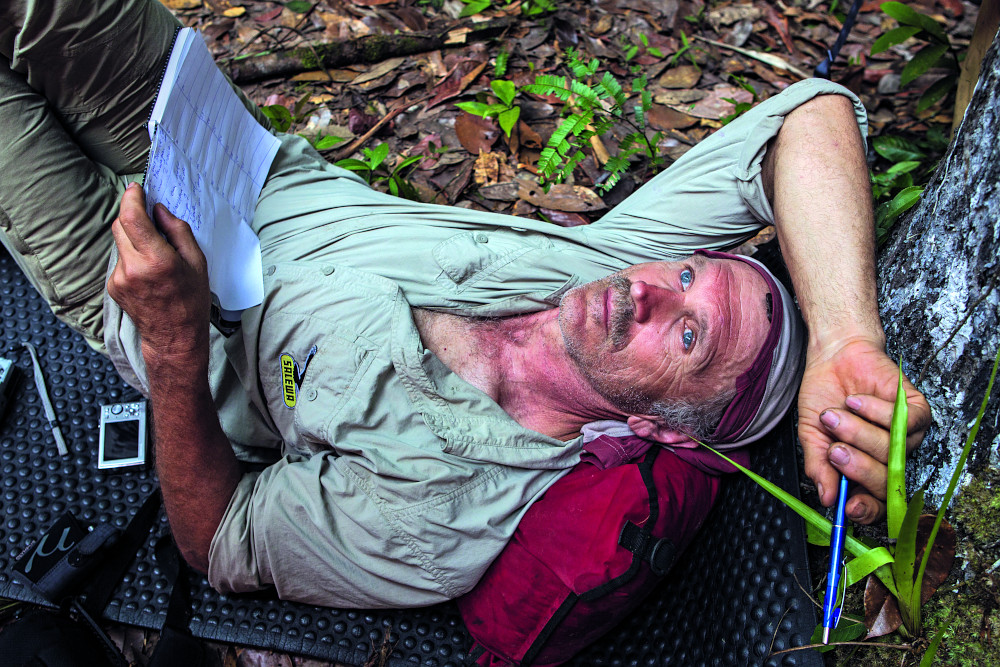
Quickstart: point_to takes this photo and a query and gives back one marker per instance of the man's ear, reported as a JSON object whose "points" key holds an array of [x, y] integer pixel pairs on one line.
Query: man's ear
{"points": [[653, 428]]}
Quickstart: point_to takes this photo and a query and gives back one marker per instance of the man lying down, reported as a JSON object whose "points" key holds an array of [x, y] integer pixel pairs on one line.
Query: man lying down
{"points": [[445, 360]]}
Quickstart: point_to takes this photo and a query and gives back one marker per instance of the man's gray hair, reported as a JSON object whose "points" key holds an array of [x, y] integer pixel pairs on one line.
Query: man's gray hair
{"points": [[697, 420]]}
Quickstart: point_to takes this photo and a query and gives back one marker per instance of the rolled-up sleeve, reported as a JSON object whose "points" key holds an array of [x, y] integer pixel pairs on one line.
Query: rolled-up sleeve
{"points": [[308, 528], [713, 196]]}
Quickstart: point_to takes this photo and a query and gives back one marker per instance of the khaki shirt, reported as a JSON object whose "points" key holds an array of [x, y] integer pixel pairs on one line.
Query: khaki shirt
{"points": [[398, 483]]}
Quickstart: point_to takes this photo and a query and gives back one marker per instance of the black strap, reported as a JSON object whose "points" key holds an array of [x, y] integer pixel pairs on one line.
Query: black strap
{"points": [[823, 69], [660, 554], [120, 556]]}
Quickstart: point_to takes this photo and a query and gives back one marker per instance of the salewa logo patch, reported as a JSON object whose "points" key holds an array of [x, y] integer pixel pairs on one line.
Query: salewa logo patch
{"points": [[291, 376]]}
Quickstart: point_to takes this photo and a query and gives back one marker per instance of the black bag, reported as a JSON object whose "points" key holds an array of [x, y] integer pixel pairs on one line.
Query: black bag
{"points": [[55, 568]]}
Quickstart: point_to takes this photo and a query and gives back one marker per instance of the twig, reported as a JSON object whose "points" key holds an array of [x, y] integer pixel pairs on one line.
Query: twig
{"points": [[392, 113], [768, 58], [899, 647]]}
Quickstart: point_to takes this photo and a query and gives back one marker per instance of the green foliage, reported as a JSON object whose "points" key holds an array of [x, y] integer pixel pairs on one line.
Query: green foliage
{"points": [[935, 54], [593, 108], [741, 107], [299, 6], [500, 64], [685, 50], [375, 170], [898, 188], [505, 111], [528, 7], [632, 50]]}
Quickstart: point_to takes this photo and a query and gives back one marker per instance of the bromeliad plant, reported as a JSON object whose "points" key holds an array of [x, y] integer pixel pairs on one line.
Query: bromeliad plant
{"points": [[896, 567]]}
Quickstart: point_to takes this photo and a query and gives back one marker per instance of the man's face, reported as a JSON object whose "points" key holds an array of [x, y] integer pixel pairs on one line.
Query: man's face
{"points": [[666, 330]]}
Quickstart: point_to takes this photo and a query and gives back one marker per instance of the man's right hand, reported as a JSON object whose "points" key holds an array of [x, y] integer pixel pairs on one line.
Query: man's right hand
{"points": [[161, 282]]}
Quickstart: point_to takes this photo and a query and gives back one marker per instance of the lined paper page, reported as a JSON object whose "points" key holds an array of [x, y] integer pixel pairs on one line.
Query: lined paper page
{"points": [[207, 165]]}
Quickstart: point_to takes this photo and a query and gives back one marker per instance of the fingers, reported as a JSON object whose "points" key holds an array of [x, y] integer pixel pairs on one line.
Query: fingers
{"points": [[179, 234], [863, 508], [817, 466], [135, 223], [867, 422], [866, 471]]}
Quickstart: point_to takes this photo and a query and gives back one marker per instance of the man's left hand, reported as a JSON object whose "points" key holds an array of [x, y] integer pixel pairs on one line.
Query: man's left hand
{"points": [[845, 409]]}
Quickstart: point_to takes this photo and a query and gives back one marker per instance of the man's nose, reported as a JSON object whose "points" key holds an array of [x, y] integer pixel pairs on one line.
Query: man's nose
{"points": [[651, 300]]}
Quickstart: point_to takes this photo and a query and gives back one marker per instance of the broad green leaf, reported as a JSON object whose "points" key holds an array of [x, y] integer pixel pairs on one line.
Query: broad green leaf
{"points": [[860, 567], [413, 159], [475, 108], [473, 7], [327, 142], [377, 155], [894, 37], [924, 59], [279, 115], [505, 91], [897, 149], [299, 6], [896, 488], [817, 536], [352, 164], [908, 16], [845, 632], [936, 91], [902, 167], [928, 658], [508, 119], [904, 565], [905, 199]]}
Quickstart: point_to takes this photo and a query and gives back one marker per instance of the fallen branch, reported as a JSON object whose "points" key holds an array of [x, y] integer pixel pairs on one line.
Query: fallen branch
{"points": [[768, 58], [367, 49]]}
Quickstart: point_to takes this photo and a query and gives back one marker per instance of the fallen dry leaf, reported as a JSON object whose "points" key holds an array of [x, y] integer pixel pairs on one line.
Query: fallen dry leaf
{"points": [[492, 168], [881, 611], [562, 197], [664, 118], [685, 76], [476, 133], [234, 12], [381, 69], [565, 218], [942, 555], [500, 191], [714, 106], [181, 4], [461, 77]]}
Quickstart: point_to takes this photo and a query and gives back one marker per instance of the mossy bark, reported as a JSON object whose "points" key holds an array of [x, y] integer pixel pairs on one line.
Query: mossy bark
{"points": [[940, 266]]}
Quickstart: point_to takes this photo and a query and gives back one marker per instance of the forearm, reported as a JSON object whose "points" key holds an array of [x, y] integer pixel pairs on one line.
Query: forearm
{"points": [[820, 193], [197, 468]]}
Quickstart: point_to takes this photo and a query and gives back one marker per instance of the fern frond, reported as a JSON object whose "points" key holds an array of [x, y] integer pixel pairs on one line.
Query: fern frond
{"points": [[612, 89], [585, 92]]}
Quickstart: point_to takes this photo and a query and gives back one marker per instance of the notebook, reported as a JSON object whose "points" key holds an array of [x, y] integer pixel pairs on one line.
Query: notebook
{"points": [[207, 165]]}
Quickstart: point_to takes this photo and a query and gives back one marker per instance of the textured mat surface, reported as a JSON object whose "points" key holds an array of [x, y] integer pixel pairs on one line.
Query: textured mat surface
{"points": [[731, 600]]}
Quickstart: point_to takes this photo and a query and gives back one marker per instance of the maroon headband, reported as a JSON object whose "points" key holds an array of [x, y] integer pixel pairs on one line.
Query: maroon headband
{"points": [[751, 385]]}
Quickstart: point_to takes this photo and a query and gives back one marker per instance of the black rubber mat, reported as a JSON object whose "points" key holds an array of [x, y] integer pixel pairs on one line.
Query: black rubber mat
{"points": [[731, 600]]}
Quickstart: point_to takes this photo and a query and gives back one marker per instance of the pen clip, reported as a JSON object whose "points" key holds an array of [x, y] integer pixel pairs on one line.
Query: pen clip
{"points": [[843, 594]]}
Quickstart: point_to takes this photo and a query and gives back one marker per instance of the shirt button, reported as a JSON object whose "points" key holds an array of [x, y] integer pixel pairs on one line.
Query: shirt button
{"points": [[311, 395], [327, 270], [270, 270], [482, 238]]}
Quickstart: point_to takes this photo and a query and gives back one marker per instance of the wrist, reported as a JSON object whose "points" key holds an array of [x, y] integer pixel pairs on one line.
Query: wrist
{"points": [[827, 342]]}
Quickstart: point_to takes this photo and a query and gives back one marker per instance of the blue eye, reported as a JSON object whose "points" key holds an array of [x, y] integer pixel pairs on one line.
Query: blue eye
{"points": [[686, 278], [688, 338]]}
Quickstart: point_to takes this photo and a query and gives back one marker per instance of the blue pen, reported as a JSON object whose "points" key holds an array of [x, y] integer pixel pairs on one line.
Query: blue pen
{"points": [[831, 610]]}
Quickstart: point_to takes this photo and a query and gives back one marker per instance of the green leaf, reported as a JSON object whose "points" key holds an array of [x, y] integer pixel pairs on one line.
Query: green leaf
{"points": [[860, 567], [500, 66], [896, 489], [327, 142], [508, 119], [585, 92], [473, 7], [906, 198], [905, 564], [894, 37], [817, 536], [413, 159], [851, 544], [897, 149], [845, 632], [298, 6], [936, 91], [924, 59], [909, 16], [655, 52], [928, 658], [611, 88], [377, 155], [279, 115], [352, 164], [902, 167], [475, 108], [505, 91]]}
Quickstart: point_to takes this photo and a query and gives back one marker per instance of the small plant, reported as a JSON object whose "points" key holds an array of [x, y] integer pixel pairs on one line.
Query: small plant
{"points": [[593, 109], [632, 50], [898, 188], [740, 107], [685, 50], [528, 7], [282, 119], [505, 111], [937, 53], [375, 170]]}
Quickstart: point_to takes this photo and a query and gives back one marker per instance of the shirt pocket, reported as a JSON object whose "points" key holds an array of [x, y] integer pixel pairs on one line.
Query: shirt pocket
{"points": [[469, 258]]}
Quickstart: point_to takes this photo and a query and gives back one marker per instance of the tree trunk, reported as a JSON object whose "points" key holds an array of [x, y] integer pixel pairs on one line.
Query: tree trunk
{"points": [[939, 269]]}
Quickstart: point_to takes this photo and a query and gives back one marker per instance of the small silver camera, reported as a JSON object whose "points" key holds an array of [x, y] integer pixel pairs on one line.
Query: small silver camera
{"points": [[123, 435]]}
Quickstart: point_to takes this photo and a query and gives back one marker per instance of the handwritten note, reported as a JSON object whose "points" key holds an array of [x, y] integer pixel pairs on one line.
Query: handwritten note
{"points": [[208, 162]]}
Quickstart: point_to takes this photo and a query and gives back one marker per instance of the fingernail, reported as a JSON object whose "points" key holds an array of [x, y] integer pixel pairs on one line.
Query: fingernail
{"points": [[857, 512], [131, 185], [830, 419], [853, 402], [840, 455]]}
